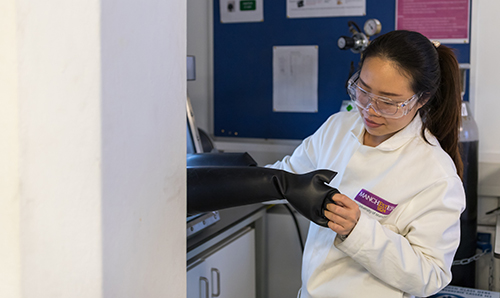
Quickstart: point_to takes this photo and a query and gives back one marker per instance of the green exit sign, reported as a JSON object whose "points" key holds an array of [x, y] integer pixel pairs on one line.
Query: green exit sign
{"points": [[248, 5]]}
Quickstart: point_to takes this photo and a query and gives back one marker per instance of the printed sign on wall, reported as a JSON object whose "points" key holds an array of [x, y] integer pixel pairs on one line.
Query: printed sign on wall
{"points": [[295, 79], [325, 8], [241, 11], [444, 20]]}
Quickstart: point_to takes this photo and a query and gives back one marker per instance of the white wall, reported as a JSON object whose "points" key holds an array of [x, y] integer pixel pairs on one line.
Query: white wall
{"points": [[10, 256], [92, 111], [485, 76], [143, 47], [200, 45], [59, 158]]}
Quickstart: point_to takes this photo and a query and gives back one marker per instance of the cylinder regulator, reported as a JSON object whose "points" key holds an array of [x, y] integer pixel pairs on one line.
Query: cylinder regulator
{"points": [[358, 41]]}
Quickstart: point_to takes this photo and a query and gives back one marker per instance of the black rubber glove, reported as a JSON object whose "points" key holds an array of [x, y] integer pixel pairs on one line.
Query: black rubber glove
{"points": [[215, 188]]}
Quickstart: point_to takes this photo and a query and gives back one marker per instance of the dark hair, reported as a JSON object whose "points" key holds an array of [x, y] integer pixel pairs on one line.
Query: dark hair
{"points": [[434, 72]]}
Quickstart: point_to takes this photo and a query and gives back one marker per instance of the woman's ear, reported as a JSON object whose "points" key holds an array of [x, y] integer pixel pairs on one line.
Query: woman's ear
{"points": [[423, 100]]}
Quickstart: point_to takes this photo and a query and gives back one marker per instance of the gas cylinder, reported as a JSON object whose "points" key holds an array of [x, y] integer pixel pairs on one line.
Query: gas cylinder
{"points": [[464, 275]]}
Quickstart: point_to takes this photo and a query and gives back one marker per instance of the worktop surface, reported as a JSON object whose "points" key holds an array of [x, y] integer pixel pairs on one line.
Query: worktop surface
{"points": [[228, 218]]}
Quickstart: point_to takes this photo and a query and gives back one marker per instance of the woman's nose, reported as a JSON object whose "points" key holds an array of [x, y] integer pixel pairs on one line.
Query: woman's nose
{"points": [[370, 109]]}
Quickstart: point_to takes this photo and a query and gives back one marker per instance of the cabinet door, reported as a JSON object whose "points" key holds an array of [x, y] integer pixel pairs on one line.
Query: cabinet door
{"points": [[198, 284], [232, 268], [228, 272]]}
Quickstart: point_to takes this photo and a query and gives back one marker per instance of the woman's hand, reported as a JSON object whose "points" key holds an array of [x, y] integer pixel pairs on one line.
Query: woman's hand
{"points": [[343, 215]]}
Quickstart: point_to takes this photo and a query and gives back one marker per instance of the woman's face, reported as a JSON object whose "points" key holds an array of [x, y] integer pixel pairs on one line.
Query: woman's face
{"points": [[380, 77]]}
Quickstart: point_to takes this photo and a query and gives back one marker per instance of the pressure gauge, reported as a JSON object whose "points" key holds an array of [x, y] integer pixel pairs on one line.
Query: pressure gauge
{"points": [[372, 27]]}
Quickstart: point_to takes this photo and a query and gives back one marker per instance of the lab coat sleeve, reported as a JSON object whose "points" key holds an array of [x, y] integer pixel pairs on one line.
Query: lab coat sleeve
{"points": [[416, 256]]}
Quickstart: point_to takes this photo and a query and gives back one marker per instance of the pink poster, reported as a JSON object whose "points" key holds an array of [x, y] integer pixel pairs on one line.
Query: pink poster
{"points": [[444, 20]]}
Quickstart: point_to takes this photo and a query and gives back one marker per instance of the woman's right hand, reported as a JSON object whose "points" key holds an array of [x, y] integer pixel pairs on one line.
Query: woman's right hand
{"points": [[343, 215]]}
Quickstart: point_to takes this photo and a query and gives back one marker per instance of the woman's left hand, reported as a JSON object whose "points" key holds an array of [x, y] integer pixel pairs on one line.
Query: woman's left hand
{"points": [[343, 215]]}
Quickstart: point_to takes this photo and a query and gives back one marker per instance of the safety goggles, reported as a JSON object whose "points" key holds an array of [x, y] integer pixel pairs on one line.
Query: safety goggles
{"points": [[382, 105]]}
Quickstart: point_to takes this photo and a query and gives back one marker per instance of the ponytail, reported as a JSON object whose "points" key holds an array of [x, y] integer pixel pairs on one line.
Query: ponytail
{"points": [[441, 115], [435, 74]]}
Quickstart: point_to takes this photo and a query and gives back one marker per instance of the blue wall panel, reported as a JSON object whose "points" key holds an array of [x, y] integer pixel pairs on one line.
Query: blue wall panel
{"points": [[243, 74]]}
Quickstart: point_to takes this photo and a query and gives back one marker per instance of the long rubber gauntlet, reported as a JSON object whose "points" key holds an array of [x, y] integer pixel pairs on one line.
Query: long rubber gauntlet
{"points": [[215, 188]]}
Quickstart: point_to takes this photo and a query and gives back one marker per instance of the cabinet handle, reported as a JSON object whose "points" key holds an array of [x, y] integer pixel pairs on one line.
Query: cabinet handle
{"points": [[217, 275], [204, 280]]}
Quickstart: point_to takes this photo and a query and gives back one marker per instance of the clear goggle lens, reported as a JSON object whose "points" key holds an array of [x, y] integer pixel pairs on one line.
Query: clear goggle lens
{"points": [[383, 106]]}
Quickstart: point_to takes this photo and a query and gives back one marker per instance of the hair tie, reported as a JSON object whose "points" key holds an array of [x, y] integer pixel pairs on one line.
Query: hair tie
{"points": [[436, 43]]}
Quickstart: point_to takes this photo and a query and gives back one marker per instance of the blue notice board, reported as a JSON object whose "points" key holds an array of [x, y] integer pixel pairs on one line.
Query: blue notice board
{"points": [[243, 74]]}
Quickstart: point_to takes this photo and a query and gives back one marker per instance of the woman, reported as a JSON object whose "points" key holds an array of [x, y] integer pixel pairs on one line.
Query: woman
{"points": [[394, 229]]}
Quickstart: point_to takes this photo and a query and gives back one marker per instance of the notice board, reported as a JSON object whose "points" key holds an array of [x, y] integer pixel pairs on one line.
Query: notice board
{"points": [[243, 68]]}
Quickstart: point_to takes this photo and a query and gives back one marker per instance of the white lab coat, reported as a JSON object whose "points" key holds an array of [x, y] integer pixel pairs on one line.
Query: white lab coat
{"points": [[410, 199]]}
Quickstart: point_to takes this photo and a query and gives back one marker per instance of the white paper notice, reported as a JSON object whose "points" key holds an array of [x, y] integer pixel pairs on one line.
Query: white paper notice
{"points": [[241, 11], [325, 8], [295, 79]]}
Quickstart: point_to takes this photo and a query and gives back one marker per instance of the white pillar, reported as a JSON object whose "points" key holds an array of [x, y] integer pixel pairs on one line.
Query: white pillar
{"points": [[484, 77], [143, 46], [92, 123], [10, 257]]}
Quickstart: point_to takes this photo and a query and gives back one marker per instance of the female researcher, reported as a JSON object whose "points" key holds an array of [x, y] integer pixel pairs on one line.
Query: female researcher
{"points": [[394, 230]]}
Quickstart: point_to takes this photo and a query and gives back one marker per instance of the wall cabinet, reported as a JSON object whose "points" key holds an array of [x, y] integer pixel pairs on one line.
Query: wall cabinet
{"points": [[227, 270]]}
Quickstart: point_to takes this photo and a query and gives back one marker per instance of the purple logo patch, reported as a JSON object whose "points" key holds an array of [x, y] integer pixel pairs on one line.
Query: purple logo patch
{"points": [[375, 202]]}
